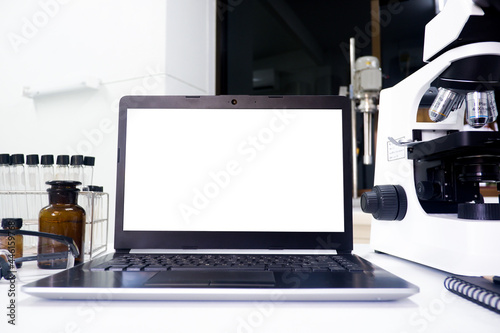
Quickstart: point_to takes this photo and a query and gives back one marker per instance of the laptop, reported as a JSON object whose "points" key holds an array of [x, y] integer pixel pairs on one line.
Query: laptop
{"points": [[241, 198]]}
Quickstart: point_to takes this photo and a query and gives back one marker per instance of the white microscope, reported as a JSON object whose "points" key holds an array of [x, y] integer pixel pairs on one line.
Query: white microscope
{"points": [[426, 202]]}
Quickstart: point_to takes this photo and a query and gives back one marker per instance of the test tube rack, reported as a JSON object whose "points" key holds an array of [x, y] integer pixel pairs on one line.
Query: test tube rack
{"points": [[95, 204]]}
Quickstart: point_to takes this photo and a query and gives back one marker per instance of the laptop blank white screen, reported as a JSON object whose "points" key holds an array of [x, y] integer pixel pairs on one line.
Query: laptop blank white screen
{"points": [[234, 170]]}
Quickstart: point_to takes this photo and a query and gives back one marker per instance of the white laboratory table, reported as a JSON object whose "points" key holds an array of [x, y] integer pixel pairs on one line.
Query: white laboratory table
{"points": [[434, 309]]}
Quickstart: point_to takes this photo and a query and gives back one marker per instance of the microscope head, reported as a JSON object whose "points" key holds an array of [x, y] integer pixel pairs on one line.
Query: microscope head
{"points": [[471, 80], [461, 22]]}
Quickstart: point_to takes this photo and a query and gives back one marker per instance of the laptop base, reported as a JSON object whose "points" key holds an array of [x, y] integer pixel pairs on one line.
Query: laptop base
{"points": [[80, 283]]}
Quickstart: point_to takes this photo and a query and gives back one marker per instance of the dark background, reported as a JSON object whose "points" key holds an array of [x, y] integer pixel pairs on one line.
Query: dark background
{"points": [[302, 47], [305, 43]]}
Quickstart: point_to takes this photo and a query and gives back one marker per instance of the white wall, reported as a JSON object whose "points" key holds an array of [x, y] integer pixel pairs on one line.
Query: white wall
{"points": [[133, 47]]}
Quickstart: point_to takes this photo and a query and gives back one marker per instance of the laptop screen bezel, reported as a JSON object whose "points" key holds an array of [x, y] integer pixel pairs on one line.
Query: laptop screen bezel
{"points": [[177, 240]]}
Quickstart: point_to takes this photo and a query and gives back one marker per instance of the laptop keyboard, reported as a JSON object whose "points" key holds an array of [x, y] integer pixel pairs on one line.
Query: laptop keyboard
{"points": [[191, 262]]}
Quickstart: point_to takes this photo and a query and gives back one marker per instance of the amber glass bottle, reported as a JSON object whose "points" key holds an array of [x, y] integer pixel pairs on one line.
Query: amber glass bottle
{"points": [[12, 243], [64, 217]]}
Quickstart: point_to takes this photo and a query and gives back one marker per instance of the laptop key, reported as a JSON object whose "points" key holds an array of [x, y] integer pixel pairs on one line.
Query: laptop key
{"points": [[355, 268], [135, 268], [155, 268], [190, 268], [320, 269], [258, 267], [117, 268], [337, 269], [280, 269], [248, 269], [302, 269], [216, 268]]}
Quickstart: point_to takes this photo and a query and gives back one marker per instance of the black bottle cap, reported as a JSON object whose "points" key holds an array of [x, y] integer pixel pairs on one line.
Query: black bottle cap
{"points": [[77, 160], [62, 160], [62, 185], [11, 223], [47, 159], [32, 159], [4, 159], [89, 160], [17, 159], [94, 188]]}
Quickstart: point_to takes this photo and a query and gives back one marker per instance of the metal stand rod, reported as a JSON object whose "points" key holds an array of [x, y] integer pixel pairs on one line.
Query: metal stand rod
{"points": [[352, 54], [368, 133]]}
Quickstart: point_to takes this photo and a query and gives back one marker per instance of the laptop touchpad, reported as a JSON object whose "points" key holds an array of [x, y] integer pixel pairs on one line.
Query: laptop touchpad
{"points": [[211, 279]]}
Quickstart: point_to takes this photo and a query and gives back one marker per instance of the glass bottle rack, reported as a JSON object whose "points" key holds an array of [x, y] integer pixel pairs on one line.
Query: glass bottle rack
{"points": [[29, 203]]}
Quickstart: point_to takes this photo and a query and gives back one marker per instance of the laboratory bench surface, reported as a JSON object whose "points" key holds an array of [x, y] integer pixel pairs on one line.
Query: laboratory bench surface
{"points": [[434, 309]]}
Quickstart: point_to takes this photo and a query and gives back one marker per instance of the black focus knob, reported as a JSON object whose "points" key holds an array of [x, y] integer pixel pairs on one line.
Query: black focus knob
{"points": [[385, 202], [427, 190]]}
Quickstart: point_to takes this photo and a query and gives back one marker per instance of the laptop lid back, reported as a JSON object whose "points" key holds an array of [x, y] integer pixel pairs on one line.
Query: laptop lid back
{"points": [[234, 172]]}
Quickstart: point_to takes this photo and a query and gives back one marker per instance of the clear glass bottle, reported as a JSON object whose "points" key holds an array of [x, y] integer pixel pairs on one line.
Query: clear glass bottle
{"points": [[62, 168], [4, 172], [63, 216], [32, 185], [32, 173], [5, 199], [76, 168], [46, 170], [46, 175], [18, 184], [93, 205], [13, 244], [88, 170]]}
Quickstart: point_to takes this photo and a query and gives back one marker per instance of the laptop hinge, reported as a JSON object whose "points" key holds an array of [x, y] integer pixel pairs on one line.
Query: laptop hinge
{"points": [[120, 251], [344, 251]]}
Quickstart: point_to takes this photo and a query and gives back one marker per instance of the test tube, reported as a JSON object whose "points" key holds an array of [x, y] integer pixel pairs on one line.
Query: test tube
{"points": [[99, 230], [32, 173], [85, 199], [62, 168], [95, 227], [76, 168], [88, 170], [18, 184], [46, 174], [32, 185], [5, 198], [46, 170]]}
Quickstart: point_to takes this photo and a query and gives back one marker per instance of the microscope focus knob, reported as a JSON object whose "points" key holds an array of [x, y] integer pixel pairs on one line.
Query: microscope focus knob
{"points": [[427, 190], [385, 202]]}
